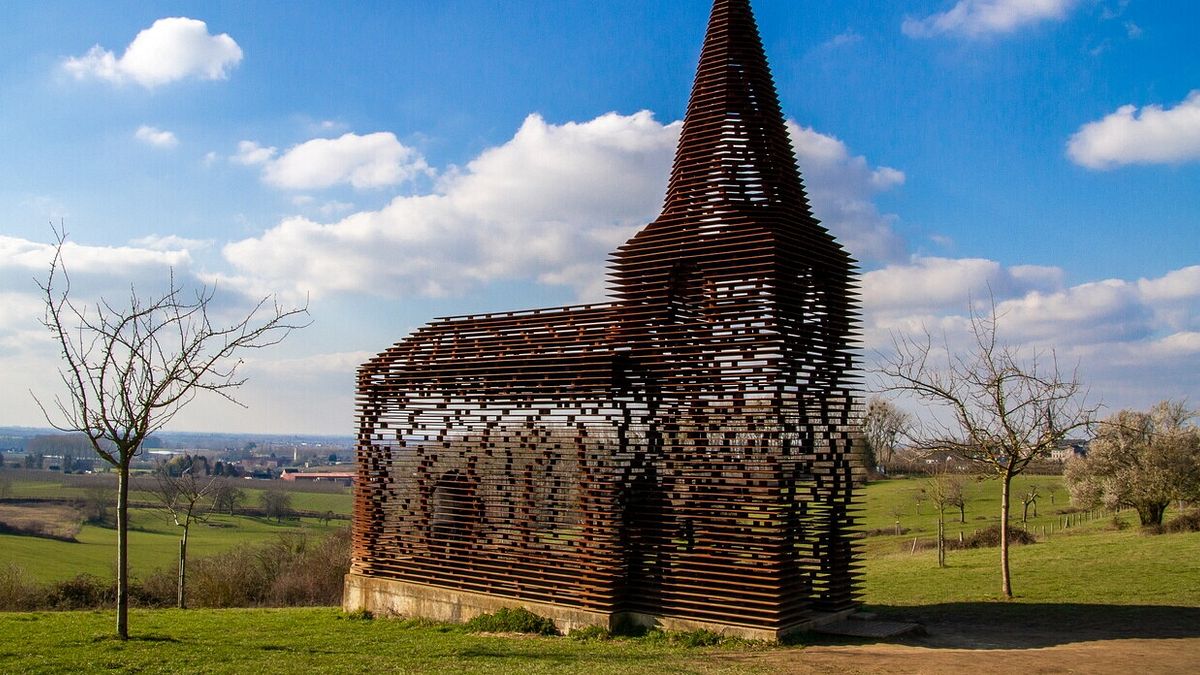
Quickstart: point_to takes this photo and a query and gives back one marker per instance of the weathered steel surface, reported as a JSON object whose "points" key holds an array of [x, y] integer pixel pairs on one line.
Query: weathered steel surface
{"points": [[682, 451]]}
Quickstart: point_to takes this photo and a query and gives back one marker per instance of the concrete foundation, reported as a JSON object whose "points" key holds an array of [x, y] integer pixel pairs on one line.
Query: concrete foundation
{"points": [[391, 597]]}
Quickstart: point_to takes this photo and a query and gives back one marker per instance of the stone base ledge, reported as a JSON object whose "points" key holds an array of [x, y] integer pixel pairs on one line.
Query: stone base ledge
{"points": [[401, 598]]}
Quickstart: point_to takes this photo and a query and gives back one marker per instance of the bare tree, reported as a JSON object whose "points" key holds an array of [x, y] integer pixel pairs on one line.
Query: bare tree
{"points": [[277, 503], [130, 367], [994, 405], [187, 498], [939, 489], [1029, 498], [226, 496], [956, 495], [883, 426], [1140, 460], [97, 505]]}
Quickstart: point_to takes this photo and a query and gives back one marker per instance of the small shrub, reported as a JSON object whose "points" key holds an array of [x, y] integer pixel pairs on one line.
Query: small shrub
{"points": [[18, 593], [509, 620], [1118, 523], [588, 633], [1189, 521], [697, 638], [884, 531], [160, 588], [989, 537], [84, 591]]}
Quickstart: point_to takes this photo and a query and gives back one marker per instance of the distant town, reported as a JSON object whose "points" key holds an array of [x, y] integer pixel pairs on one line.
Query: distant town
{"points": [[251, 456]]}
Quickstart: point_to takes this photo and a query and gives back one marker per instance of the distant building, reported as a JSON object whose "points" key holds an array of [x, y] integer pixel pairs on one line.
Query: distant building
{"points": [[1069, 448], [342, 477]]}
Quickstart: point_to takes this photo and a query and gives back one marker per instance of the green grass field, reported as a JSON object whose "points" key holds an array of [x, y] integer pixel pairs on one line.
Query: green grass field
{"points": [[1091, 568], [153, 543], [311, 640], [153, 540]]}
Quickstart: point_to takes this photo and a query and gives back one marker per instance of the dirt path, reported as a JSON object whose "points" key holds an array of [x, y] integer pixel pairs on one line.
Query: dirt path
{"points": [[985, 638], [1140, 656]]}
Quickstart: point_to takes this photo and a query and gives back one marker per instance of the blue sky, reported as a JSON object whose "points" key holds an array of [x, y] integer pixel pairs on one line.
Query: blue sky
{"points": [[404, 160]]}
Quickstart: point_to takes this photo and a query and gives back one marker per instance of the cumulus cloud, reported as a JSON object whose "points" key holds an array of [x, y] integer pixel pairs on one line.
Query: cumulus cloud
{"points": [[548, 206], [1149, 136], [371, 161], [171, 49], [976, 18], [937, 284], [156, 137], [23, 254], [250, 153], [170, 242], [95, 271], [1135, 341], [842, 187]]}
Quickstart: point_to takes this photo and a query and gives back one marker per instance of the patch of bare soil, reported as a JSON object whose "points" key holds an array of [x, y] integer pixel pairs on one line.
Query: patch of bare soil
{"points": [[1103, 656], [52, 521], [982, 638]]}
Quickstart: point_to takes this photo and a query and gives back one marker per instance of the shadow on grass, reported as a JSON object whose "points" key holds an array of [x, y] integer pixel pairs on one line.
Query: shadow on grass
{"points": [[134, 638], [1018, 625]]}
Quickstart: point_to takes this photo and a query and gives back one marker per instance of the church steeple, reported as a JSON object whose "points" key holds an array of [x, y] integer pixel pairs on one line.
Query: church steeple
{"points": [[734, 151]]}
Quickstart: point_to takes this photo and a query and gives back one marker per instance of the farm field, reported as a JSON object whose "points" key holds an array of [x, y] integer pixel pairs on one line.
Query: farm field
{"points": [[153, 539]]}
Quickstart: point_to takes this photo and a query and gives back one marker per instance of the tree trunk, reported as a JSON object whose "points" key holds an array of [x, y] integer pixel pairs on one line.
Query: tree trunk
{"points": [[962, 513], [1152, 514], [123, 550], [1005, 579], [183, 567], [941, 539]]}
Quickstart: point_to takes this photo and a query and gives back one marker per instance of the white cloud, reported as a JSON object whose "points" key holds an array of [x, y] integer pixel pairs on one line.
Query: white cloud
{"points": [[307, 367], [1135, 342], [170, 242], [975, 18], [22, 254], [550, 200], [171, 49], [156, 137], [371, 161], [939, 284], [843, 39], [1150, 136], [250, 153], [842, 187], [549, 206]]}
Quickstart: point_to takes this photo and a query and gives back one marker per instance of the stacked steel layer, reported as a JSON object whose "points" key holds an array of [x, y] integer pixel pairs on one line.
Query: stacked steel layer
{"points": [[683, 451]]}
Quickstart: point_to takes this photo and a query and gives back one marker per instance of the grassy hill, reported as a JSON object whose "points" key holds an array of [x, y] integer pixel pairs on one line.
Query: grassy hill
{"points": [[153, 539]]}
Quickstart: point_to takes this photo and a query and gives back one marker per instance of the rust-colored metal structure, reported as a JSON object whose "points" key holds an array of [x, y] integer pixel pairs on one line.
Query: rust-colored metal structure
{"points": [[680, 455]]}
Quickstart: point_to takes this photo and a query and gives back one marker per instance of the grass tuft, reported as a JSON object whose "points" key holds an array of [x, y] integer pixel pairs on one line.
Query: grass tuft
{"points": [[510, 620]]}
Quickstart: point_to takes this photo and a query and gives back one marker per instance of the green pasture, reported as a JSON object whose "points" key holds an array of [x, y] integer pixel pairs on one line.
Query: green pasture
{"points": [[1093, 564], [46, 485], [153, 543], [315, 640]]}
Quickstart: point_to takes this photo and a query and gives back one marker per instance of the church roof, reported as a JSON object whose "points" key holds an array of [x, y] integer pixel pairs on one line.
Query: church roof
{"points": [[734, 150]]}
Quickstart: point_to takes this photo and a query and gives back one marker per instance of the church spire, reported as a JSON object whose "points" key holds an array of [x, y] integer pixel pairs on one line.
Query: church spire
{"points": [[734, 151]]}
